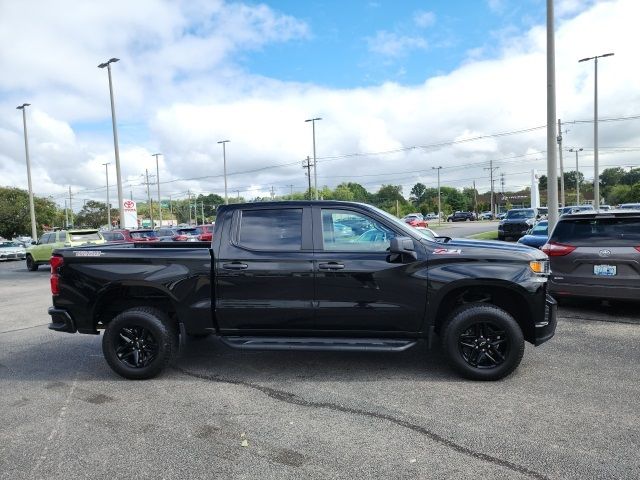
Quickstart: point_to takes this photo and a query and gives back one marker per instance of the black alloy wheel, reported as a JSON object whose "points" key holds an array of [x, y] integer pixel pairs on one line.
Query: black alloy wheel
{"points": [[136, 347], [482, 341], [140, 342], [484, 345]]}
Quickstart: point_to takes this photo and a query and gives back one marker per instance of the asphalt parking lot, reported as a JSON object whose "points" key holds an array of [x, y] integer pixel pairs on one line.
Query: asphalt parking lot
{"points": [[569, 411]]}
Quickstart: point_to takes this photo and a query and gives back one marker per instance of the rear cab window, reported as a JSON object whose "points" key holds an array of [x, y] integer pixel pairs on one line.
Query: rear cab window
{"points": [[598, 231], [271, 229]]}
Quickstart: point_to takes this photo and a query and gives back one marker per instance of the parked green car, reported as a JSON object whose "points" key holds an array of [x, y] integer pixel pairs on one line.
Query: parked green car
{"points": [[40, 253]]}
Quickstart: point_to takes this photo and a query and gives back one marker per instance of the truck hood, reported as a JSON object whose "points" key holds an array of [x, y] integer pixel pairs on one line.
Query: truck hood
{"points": [[490, 249]]}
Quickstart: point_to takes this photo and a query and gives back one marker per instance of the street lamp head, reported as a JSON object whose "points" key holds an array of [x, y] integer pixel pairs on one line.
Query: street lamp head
{"points": [[224, 141], [608, 54], [21, 107], [155, 154], [585, 59], [313, 119], [111, 60]]}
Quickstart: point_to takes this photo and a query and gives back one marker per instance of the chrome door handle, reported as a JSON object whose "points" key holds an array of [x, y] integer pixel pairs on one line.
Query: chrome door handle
{"points": [[235, 266], [331, 266]]}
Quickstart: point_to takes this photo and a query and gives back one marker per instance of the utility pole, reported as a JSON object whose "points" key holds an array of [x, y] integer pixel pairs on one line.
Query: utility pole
{"points": [[70, 206], [146, 171], [552, 166], [32, 210], [202, 211], [66, 214], [291, 189], [224, 166], [273, 193], [491, 169], [170, 206], [308, 173], [577, 174], [315, 161], [439, 203], [238, 195], [562, 201], [475, 199], [106, 172], [189, 197], [501, 188], [115, 134], [158, 183]]}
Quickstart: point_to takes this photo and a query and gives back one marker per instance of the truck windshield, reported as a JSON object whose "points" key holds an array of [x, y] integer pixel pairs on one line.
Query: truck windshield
{"points": [[520, 214]]}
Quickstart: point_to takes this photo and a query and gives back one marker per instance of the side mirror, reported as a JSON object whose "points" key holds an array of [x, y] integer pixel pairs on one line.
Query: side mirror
{"points": [[402, 249]]}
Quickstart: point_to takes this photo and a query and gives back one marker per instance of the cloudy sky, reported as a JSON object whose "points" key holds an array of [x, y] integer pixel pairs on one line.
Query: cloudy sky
{"points": [[401, 87]]}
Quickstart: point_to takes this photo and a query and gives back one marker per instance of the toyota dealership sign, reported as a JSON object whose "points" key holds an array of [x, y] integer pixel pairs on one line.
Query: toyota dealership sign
{"points": [[130, 214]]}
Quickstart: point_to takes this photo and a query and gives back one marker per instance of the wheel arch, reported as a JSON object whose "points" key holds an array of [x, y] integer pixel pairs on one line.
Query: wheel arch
{"points": [[508, 296], [116, 298]]}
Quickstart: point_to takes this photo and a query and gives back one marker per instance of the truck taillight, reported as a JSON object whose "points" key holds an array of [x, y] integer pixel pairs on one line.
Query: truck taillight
{"points": [[554, 249], [56, 262], [638, 248]]}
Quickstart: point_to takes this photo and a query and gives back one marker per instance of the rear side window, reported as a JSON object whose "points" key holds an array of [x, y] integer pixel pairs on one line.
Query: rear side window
{"points": [[598, 231], [279, 229], [84, 236]]}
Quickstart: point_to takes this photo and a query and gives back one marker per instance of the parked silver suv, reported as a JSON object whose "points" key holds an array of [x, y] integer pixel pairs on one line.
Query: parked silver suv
{"points": [[595, 255]]}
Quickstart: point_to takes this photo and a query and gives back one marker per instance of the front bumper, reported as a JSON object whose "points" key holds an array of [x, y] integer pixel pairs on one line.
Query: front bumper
{"points": [[546, 328], [61, 321]]}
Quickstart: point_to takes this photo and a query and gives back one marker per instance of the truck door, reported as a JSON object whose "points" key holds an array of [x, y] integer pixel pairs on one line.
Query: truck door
{"points": [[264, 272], [357, 288]]}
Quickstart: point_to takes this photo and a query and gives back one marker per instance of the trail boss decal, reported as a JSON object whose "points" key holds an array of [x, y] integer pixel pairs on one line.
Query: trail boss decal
{"points": [[89, 253], [447, 251]]}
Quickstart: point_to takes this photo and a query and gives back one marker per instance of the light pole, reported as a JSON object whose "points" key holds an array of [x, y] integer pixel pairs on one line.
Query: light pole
{"points": [[115, 138], [106, 172], [315, 161], [32, 210], [158, 183], [439, 206], [224, 164], [596, 172], [577, 174], [552, 164]]}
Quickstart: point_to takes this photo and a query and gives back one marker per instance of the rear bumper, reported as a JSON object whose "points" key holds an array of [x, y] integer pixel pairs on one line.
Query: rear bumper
{"points": [[546, 328], [61, 321], [603, 292]]}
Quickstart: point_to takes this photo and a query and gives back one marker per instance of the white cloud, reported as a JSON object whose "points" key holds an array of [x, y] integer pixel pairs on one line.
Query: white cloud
{"points": [[390, 44], [424, 19]]}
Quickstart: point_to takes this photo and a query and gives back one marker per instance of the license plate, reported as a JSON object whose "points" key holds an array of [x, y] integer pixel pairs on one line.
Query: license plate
{"points": [[604, 270]]}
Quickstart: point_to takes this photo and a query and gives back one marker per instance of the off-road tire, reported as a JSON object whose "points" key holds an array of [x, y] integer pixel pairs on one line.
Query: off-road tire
{"points": [[462, 339], [139, 343]]}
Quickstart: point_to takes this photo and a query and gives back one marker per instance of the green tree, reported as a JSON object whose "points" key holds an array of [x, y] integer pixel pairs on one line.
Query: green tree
{"points": [[389, 197], [619, 194], [417, 194], [15, 218], [343, 192], [93, 215]]}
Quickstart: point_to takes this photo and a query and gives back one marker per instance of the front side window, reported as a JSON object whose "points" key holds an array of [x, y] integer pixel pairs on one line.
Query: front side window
{"points": [[343, 230], [279, 229]]}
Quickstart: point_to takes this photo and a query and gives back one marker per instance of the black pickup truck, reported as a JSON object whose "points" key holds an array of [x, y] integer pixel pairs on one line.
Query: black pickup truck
{"points": [[309, 275]]}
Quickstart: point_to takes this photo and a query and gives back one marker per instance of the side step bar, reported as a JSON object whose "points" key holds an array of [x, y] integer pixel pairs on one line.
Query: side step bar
{"points": [[319, 344]]}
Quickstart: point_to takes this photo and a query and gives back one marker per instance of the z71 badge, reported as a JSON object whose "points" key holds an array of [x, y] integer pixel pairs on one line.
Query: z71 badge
{"points": [[447, 251]]}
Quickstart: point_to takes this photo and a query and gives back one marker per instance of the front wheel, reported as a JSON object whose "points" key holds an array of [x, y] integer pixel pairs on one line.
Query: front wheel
{"points": [[32, 266], [139, 343], [483, 342]]}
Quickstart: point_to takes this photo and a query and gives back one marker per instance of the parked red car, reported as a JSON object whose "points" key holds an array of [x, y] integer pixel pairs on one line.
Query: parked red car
{"points": [[206, 234], [135, 236], [415, 220]]}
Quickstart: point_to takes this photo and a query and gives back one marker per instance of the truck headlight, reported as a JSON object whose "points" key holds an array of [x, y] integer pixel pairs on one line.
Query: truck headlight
{"points": [[540, 266]]}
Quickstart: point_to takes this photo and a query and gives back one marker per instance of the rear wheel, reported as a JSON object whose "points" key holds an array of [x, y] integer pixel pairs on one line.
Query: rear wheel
{"points": [[32, 266], [483, 342], [139, 343]]}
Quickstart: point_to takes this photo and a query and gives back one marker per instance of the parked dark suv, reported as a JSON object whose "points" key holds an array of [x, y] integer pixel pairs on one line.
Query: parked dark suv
{"points": [[461, 217], [596, 255]]}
